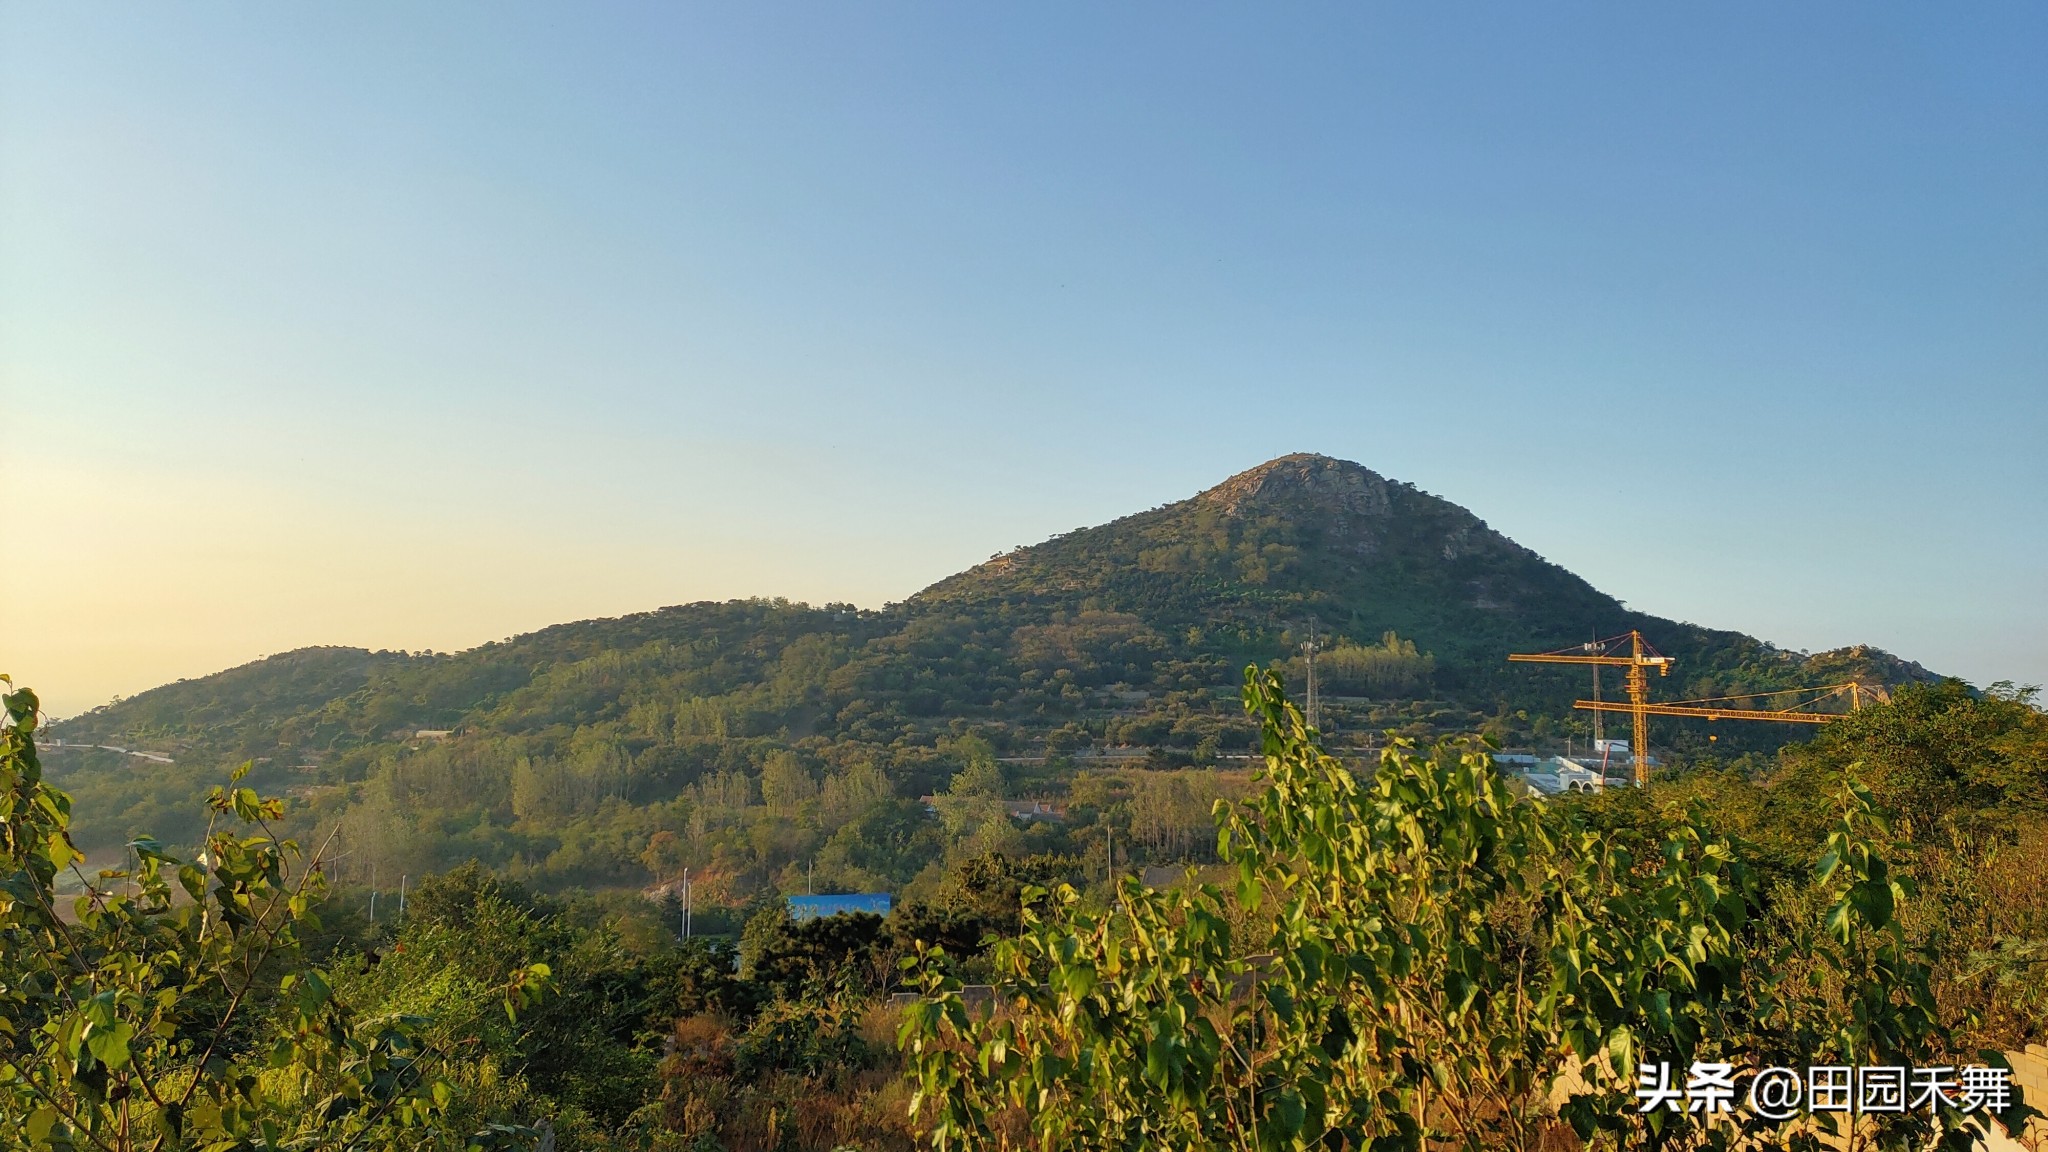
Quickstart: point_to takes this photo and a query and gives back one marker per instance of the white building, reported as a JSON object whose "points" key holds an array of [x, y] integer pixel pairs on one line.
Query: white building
{"points": [[1559, 774]]}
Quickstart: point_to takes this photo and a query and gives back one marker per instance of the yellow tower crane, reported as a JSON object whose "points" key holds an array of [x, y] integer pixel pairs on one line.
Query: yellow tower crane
{"points": [[1641, 657]]}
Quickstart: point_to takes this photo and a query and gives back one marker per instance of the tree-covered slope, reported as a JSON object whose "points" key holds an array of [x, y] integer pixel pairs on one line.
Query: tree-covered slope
{"points": [[248, 702], [1308, 535], [1297, 536], [761, 733]]}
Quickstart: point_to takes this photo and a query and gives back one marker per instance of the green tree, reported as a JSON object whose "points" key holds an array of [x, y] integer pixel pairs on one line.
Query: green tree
{"points": [[785, 783], [173, 1008], [981, 774], [1939, 756], [1415, 959]]}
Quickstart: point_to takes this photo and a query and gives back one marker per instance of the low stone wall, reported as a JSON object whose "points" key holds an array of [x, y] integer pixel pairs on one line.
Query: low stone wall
{"points": [[2030, 1074]]}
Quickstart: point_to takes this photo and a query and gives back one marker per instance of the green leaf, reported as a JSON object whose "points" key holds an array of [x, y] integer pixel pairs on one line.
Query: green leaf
{"points": [[1838, 924], [1080, 981], [1288, 1111], [1282, 1002], [110, 1045], [1158, 1058], [1873, 902]]}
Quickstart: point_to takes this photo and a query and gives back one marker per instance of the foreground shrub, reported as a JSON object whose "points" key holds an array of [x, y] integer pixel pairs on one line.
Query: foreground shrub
{"points": [[1416, 959], [172, 1007]]}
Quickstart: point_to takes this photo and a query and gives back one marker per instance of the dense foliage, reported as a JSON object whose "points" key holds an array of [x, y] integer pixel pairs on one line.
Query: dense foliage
{"points": [[172, 1007], [1411, 958], [1400, 950]]}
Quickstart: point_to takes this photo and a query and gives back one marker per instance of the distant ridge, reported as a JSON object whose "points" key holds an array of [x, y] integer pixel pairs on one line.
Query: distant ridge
{"points": [[1131, 634]]}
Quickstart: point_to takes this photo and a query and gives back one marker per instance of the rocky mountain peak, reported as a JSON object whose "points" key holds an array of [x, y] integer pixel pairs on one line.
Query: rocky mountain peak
{"points": [[1305, 481]]}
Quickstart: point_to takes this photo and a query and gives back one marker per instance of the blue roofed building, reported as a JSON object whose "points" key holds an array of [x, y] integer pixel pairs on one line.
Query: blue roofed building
{"points": [[812, 907]]}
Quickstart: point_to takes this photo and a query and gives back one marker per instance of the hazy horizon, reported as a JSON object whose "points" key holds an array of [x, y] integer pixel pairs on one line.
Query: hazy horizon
{"points": [[401, 328]]}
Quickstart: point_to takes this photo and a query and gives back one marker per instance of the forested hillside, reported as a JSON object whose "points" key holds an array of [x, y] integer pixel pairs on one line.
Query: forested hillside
{"points": [[767, 744], [1465, 968]]}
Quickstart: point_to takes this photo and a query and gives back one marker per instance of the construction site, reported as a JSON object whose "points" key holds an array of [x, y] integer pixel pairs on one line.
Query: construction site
{"points": [[1630, 761]]}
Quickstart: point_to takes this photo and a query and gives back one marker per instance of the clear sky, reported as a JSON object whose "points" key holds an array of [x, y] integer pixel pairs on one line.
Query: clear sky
{"points": [[417, 325]]}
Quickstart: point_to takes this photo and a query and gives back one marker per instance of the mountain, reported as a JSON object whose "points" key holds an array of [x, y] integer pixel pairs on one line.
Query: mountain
{"points": [[1297, 536], [1309, 536], [1123, 641]]}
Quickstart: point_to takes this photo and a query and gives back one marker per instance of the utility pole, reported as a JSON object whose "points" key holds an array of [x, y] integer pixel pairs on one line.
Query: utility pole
{"points": [[401, 899], [1595, 648], [1308, 649], [373, 894]]}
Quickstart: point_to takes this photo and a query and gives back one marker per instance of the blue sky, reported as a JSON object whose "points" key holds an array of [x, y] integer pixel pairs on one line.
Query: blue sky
{"points": [[416, 326]]}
